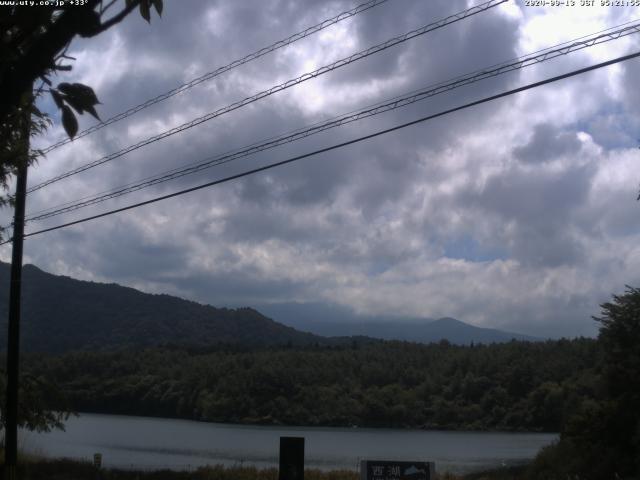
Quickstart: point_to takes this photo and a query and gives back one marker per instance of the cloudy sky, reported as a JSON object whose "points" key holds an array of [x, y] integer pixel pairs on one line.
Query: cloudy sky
{"points": [[519, 214]]}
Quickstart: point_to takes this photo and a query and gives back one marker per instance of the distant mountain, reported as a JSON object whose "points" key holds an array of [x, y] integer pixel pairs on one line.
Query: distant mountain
{"points": [[334, 320], [61, 314]]}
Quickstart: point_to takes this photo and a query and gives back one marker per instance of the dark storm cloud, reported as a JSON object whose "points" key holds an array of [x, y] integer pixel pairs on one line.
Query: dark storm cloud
{"points": [[631, 72], [535, 208], [257, 224], [239, 128], [388, 175], [535, 196], [476, 43], [547, 143], [159, 261], [614, 129], [620, 125], [119, 251], [240, 288], [549, 246]]}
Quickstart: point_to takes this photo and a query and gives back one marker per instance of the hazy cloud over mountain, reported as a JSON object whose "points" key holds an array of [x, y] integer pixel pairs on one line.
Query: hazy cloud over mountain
{"points": [[519, 214]]}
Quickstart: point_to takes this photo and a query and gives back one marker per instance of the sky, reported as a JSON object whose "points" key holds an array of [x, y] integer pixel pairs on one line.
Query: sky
{"points": [[519, 214]]}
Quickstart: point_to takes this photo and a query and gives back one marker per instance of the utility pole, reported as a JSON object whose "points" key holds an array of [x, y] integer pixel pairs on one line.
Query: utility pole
{"points": [[15, 290]]}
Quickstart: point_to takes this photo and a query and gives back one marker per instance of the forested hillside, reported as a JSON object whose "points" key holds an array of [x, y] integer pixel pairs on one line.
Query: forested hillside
{"points": [[61, 314], [512, 386]]}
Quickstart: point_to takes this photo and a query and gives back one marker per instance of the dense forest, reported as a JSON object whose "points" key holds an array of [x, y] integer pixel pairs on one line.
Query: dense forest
{"points": [[512, 386]]}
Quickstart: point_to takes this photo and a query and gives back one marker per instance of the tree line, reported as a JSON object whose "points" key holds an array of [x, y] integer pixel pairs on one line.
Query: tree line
{"points": [[514, 386]]}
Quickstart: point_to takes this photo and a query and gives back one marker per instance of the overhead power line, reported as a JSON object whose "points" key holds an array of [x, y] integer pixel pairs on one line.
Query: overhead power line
{"points": [[340, 145], [220, 70], [388, 105], [278, 88]]}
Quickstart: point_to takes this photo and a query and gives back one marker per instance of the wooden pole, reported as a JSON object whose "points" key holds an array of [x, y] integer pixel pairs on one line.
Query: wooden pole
{"points": [[13, 347]]}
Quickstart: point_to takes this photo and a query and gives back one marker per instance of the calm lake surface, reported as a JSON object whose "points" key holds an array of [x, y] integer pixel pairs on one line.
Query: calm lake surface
{"points": [[154, 443]]}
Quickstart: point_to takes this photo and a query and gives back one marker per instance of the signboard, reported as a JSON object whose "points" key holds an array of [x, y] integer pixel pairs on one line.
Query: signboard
{"points": [[97, 460], [291, 458], [395, 470]]}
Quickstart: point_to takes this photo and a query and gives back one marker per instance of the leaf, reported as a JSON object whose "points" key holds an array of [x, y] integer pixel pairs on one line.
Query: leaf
{"points": [[57, 98], [65, 87], [69, 121], [75, 103], [86, 93], [80, 97], [145, 11], [80, 91], [158, 6], [81, 106], [92, 112]]}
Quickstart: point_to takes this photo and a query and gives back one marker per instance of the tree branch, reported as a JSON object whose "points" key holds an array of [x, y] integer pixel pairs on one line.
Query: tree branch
{"points": [[104, 8], [38, 59], [115, 19]]}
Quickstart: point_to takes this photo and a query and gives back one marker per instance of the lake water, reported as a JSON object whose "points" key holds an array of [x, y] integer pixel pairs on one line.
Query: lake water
{"points": [[154, 443]]}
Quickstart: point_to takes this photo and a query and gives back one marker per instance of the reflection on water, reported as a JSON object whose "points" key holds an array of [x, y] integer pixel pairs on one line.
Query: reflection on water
{"points": [[180, 444]]}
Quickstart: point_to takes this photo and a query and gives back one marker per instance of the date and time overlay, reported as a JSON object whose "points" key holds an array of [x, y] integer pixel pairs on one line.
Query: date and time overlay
{"points": [[580, 3], [525, 3]]}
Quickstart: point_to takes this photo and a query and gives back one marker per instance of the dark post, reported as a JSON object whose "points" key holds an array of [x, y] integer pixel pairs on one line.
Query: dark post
{"points": [[97, 462], [13, 347], [291, 458]]}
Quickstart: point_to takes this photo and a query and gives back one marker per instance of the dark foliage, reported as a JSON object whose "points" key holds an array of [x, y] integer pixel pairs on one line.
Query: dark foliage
{"points": [[61, 314], [513, 386], [601, 437]]}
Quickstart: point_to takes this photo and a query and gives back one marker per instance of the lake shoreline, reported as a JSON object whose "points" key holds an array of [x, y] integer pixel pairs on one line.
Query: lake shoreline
{"points": [[147, 442], [276, 424]]}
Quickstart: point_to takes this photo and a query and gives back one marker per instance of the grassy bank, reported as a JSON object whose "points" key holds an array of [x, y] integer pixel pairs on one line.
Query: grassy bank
{"points": [[65, 469]]}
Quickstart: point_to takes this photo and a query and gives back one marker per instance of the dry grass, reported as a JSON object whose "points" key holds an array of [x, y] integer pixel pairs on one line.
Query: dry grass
{"points": [[65, 469], [38, 468]]}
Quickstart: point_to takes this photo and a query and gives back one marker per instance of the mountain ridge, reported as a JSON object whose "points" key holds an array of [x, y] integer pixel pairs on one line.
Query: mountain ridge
{"points": [[310, 317], [60, 313]]}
